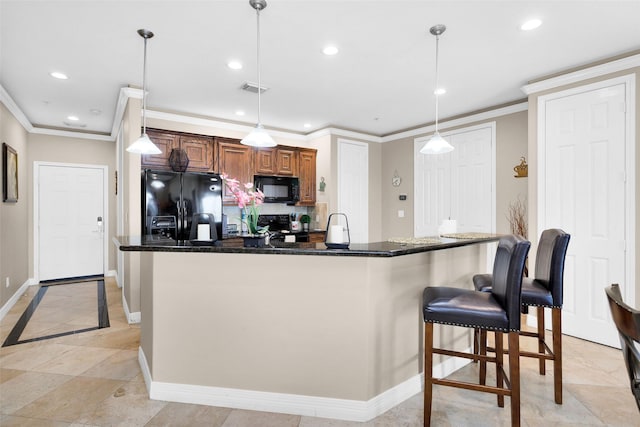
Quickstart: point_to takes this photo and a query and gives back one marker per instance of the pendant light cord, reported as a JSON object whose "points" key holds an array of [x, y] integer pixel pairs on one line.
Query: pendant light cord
{"points": [[436, 88], [259, 83], [144, 89]]}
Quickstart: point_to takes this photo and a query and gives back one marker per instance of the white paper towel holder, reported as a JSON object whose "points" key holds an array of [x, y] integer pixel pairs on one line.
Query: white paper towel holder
{"points": [[329, 236]]}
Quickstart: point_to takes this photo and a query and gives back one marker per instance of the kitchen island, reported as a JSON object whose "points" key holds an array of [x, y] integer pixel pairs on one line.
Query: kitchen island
{"points": [[294, 328]]}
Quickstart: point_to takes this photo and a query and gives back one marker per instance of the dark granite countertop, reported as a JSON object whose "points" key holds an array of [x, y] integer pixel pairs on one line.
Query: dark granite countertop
{"points": [[375, 249]]}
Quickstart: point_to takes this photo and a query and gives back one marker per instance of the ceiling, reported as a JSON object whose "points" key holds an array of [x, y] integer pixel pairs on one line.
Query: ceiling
{"points": [[380, 82]]}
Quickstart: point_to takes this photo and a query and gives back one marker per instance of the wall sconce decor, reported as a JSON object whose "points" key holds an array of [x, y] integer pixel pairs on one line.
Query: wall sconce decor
{"points": [[521, 170]]}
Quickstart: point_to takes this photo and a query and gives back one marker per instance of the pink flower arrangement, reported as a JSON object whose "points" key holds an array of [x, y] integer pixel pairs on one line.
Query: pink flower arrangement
{"points": [[249, 200]]}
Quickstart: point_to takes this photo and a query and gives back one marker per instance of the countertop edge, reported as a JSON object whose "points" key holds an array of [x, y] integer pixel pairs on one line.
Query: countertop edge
{"points": [[395, 249]]}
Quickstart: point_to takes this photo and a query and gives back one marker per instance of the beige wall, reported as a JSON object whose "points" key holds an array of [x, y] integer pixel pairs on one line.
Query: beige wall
{"points": [[14, 225], [533, 163], [511, 144], [58, 149]]}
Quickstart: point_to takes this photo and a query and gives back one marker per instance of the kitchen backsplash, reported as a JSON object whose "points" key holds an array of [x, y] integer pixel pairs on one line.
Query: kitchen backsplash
{"points": [[233, 212]]}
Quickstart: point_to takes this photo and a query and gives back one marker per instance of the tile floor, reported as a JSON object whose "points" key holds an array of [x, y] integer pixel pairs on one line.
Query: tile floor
{"points": [[94, 379]]}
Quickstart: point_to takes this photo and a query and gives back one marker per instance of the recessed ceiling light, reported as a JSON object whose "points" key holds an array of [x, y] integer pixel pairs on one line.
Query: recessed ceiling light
{"points": [[75, 125], [234, 65], [73, 118], [440, 91], [307, 125], [330, 50], [95, 111], [239, 113], [58, 75], [531, 24]]}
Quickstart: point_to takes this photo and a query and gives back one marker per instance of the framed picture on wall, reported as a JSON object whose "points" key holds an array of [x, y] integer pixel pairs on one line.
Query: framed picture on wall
{"points": [[9, 174]]}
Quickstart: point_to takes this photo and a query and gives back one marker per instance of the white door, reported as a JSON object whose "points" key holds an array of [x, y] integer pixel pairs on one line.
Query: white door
{"points": [[353, 187], [583, 192], [458, 185], [472, 178], [71, 221]]}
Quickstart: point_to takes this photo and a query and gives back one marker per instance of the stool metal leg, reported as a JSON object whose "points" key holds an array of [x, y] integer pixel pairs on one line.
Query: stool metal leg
{"points": [[428, 372]]}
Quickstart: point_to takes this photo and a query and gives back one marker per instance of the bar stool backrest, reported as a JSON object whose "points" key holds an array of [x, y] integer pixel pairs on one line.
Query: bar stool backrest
{"points": [[552, 250], [627, 322], [507, 276]]}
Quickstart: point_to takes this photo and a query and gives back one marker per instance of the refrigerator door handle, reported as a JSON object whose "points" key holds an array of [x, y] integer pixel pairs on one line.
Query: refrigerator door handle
{"points": [[184, 216]]}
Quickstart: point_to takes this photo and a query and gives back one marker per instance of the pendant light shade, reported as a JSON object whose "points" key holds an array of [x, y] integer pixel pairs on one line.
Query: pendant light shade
{"points": [[437, 144], [144, 145], [258, 136]]}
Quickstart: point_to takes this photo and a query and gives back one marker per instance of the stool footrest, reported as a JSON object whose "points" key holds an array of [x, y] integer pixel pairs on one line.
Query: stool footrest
{"points": [[472, 386]]}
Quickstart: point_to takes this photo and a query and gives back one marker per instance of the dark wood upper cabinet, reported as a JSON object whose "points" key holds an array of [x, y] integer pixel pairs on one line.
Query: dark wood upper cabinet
{"points": [[228, 155], [199, 149], [165, 142], [265, 161], [286, 161], [276, 161], [307, 174], [235, 160]]}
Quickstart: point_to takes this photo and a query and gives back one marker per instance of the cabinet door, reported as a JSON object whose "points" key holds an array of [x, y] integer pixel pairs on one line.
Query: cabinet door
{"points": [[316, 237], [265, 161], [286, 162], [234, 159], [199, 149], [165, 142], [307, 174]]}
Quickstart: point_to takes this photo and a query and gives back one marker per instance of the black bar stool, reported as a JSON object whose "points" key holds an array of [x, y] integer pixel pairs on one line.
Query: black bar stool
{"points": [[627, 322], [497, 310], [544, 290]]}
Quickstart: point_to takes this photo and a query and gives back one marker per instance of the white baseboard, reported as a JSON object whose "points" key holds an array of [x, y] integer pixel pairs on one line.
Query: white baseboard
{"points": [[110, 273], [131, 317], [144, 366], [15, 297], [313, 406]]}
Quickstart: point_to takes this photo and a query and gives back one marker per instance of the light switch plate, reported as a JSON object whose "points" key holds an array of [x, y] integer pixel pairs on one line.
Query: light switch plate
{"points": [[401, 213]]}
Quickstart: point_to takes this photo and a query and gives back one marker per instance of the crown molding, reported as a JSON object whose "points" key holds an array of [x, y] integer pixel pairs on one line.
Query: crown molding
{"points": [[485, 115], [580, 75], [121, 105], [71, 134], [8, 102], [345, 133]]}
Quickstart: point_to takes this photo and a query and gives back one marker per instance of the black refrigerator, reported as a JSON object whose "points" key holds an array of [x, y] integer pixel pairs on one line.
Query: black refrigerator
{"points": [[174, 203]]}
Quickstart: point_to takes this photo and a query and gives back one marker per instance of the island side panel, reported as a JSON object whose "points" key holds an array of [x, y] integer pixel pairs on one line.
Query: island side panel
{"points": [[395, 310], [146, 307], [276, 323]]}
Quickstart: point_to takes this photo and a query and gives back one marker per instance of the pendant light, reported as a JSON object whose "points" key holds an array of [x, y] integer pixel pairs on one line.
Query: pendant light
{"points": [[437, 144], [258, 136], [144, 145]]}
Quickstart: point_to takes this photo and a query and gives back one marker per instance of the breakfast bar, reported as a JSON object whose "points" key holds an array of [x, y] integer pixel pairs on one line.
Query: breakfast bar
{"points": [[295, 328]]}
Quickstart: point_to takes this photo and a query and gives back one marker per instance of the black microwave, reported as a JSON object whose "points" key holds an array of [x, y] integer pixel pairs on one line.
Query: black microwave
{"points": [[278, 189]]}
